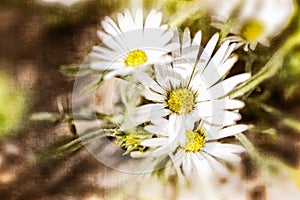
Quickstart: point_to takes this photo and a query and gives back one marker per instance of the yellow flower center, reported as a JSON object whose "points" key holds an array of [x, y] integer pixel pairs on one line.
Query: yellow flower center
{"points": [[181, 100], [194, 141], [136, 58], [252, 29]]}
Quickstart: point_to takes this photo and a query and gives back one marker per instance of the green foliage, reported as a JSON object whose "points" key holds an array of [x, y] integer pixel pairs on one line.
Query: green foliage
{"points": [[130, 140], [53, 117], [12, 105]]}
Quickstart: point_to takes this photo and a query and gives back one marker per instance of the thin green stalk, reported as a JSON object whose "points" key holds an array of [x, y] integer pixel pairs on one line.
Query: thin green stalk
{"points": [[66, 117], [79, 142], [286, 120], [249, 146]]}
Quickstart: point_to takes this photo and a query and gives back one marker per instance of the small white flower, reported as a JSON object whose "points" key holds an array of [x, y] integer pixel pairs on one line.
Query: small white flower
{"points": [[132, 44], [257, 21], [190, 99], [201, 151]]}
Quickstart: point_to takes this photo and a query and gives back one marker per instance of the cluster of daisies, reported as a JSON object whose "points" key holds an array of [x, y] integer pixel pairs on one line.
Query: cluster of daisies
{"points": [[174, 89]]}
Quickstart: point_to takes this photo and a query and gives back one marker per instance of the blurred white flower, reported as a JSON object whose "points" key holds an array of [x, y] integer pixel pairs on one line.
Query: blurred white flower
{"points": [[130, 96], [132, 44], [62, 2], [282, 183], [256, 21], [192, 97]]}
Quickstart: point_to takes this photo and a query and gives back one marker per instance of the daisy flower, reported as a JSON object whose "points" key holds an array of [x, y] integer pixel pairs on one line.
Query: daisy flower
{"points": [[191, 98], [131, 44], [258, 21], [201, 150]]}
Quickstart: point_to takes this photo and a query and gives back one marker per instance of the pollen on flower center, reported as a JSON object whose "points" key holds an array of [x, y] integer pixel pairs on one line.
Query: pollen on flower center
{"points": [[136, 58], [194, 141], [181, 100], [252, 29]]}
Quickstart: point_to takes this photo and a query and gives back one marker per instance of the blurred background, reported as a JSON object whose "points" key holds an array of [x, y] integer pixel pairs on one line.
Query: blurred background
{"points": [[38, 37]]}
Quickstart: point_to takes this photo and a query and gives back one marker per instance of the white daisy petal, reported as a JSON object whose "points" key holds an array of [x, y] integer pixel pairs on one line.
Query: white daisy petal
{"points": [[160, 127], [157, 130], [226, 151], [216, 60], [214, 106], [98, 65], [176, 127], [107, 53], [126, 22], [197, 39], [202, 166], [149, 111], [187, 165], [186, 41], [216, 165], [110, 42], [225, 118], [176, 40], [102, 57], [163, 75], [252, 46], [145, 79], [153, 20], [155, 142], [153, 96], [138, 154], [232, 130], [139, 19], [127, 125], [208, 50], [160, 151], [110, 26], [117, 72], [232, 148], [227, 85], [216, 73], [230, 49]]}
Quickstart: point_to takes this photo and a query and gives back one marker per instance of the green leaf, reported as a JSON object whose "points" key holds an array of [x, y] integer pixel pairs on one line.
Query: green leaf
{"points": [[82, 140], [72, 146], [73, 70], [47, 116], [292, 123], [286, 120]]}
